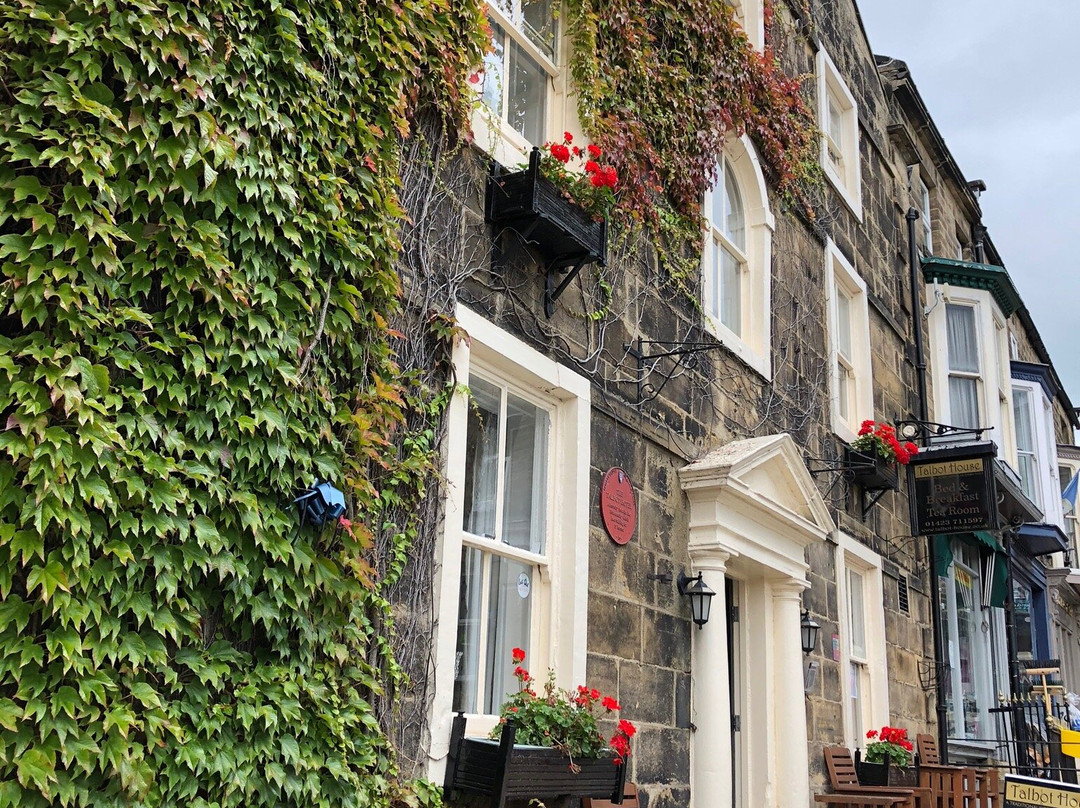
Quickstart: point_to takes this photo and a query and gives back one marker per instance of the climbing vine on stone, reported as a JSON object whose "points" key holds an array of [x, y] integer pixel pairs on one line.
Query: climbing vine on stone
{"points": [[663, 84], [198, 228]]}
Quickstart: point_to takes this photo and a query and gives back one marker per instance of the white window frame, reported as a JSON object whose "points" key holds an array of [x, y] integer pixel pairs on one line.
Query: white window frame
{"points": [[754, 345], [1047, 483], [750, 14], [561, 630], [925, 216], [988, 321], [495, 136], [1024, 398], [840, 275], [988, 641], [853, 555], [847, 178], [1070, 520], [1006, 433]]}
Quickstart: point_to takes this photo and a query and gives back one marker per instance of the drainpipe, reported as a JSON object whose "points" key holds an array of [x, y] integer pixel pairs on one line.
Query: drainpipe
{"points": [[916, 317], [924, 416], [979, 238]]}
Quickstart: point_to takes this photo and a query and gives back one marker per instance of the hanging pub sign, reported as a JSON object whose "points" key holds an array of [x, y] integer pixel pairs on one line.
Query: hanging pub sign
{"points": [[618, 505], [952, 490]]}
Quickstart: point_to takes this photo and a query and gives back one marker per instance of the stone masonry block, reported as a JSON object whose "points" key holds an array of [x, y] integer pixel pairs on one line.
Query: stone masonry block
{"points": [[647, 693], [614, 627]]}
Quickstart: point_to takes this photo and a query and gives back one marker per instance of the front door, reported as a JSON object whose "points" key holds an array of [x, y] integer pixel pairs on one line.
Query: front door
{"points": [[735, 684]]}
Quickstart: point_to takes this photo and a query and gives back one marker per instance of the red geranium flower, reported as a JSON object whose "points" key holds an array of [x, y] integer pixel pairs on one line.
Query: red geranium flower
{"points": [[517, 655]]}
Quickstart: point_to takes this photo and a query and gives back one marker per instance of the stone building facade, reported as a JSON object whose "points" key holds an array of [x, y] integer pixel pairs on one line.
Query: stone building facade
{"points": [[735, 450]]}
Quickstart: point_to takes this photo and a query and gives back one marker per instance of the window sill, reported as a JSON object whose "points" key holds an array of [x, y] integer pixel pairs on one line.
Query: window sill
{"points": [[495, 138], [851, 199], [842, 431]]}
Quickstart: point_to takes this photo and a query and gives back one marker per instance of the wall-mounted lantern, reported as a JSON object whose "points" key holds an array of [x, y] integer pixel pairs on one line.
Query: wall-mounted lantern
{"points": [[809, 630], [700, 596]]}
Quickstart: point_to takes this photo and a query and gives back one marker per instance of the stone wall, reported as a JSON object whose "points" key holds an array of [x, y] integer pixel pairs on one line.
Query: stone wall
{"points": [[639, 630]]}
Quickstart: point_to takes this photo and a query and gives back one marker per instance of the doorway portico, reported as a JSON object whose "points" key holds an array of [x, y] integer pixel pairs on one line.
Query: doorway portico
{"points": [[753, 510]]}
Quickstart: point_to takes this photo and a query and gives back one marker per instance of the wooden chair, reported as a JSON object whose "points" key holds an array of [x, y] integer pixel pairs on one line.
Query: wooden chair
{"points": [[629, 799], [950, 787], [980, 786], [848, 791]]}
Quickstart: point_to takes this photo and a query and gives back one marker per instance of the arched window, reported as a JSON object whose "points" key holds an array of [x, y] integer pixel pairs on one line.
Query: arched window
{"points": [[725, 268], [736, 259]]}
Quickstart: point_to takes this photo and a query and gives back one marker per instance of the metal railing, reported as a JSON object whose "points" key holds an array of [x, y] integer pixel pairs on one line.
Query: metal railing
{"points": [[1030, 741]]}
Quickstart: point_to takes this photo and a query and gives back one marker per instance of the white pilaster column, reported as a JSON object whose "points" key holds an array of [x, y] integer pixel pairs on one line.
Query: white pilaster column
{"points": [[792, 763], [710, 775]]}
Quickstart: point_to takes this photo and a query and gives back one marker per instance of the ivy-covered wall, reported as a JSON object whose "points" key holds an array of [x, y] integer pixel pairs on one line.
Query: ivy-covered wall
{"points": [[198, 224], [202, 311]]}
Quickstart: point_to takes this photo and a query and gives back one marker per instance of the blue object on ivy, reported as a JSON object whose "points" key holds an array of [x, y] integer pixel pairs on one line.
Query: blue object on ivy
{"points": [[320, 504]]}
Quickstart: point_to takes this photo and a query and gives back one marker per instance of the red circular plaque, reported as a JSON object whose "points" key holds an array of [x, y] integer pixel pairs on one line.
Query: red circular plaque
{"points": [[618, 505]]}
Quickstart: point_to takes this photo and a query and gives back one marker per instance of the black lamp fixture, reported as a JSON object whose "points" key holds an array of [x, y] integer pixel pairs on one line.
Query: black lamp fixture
{"points": [[810, 631], [700, 597]]}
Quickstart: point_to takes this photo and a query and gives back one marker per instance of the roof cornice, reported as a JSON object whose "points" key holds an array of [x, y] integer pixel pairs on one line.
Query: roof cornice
{"points": [[972, 275], [1036, 372]]}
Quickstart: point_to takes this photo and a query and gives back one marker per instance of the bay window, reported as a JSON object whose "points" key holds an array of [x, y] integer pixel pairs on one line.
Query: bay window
{"points": [[1026, 455], [964, 366]]}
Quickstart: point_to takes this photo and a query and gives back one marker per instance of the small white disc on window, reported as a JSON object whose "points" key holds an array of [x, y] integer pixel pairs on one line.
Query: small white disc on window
{"points": [[523, 586]]}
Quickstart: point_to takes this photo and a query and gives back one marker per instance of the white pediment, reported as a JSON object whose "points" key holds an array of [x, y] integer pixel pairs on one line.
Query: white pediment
{"points": [[755, 498]]}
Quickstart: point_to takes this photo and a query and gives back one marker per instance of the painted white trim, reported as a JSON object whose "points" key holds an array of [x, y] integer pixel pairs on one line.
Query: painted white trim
{"points": [[563, 631], [753, 510], [496, 138], [926, 223], [1046, 456], [840, 272], [848, 185], [999, 423], [755, 346], [750, 14], [852, 554]]}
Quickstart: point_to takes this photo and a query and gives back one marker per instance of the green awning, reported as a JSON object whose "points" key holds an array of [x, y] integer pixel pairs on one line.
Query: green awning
{"points": [[942, 555], [988, 539], [996, 562]]}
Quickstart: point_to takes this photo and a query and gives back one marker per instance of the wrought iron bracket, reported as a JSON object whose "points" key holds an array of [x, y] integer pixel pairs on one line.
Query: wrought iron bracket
{"points": [[647, 362], [845, 470], [869, 499], [552, 292], [924, 430], [932, 673]]}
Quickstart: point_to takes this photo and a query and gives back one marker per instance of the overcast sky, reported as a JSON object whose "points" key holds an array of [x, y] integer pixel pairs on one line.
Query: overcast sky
{"points": [[1000, 81]]}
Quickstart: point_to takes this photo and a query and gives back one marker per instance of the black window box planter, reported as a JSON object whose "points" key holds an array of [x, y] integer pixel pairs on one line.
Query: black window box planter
{"points": [[559, 231], [885, 774], [872, 472], [502, 770]]}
